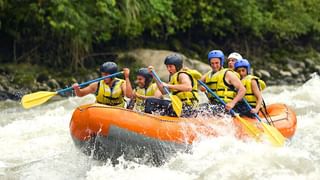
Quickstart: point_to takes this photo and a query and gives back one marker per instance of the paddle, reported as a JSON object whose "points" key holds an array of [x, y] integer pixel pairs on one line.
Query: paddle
{"points": [[176, 102], [251, 129], [38, 98], [273, 133]]}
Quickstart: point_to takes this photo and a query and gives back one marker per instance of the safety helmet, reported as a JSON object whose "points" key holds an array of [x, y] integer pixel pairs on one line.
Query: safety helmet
{"points": [[174, 59], [216, 54], [235, 55], [242, 63], [109, 67], [145, 73]]}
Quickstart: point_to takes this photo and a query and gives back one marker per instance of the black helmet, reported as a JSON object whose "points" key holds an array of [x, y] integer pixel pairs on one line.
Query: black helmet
{"points": [[109, 67], [145, 73], [174, 59]]}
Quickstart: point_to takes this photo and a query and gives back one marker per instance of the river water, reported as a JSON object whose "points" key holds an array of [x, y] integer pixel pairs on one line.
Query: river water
{"points": [[36, 144]]}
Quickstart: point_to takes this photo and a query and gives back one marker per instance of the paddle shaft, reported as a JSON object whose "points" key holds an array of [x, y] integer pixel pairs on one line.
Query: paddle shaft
{"points": [[216, 96], [89, 82], [159, 80], [248, 105]]}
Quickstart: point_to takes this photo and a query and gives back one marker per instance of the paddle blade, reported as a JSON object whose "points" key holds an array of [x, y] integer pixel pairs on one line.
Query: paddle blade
{"points": [[35, 99], [251, 129], [176, 104], [273, 134]]}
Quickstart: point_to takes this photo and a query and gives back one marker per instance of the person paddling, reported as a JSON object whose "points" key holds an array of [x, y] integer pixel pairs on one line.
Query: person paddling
{"points": [[253, 86], [232, 58], [145, 89], [223, 82], [182, 83], [110, 91]]}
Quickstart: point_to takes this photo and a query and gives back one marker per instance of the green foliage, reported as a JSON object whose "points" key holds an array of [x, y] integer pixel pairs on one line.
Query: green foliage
{"points": [[65, 31], [291, 19]]}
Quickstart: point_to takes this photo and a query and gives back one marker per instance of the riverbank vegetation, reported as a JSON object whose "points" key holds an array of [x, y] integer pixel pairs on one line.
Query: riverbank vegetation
{"points": [[47, 45], [71, 34]]}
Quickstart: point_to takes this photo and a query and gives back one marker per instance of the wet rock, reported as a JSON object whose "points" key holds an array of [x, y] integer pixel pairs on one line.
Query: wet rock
{"points": [[289, 80], [301, 79], [317, 68], [156, 58], [53, 84], [301, 64], [5, 95], [40, 87], [198, 65], [43, 87], [280, 82], [300, 70], [285, 73], [296, 63], [263, 74], [294, 71], [273, 67], [34, 87], [8, 92], [4, 82], [274, 70], [272, 83], [309, 62], [11, 89]]}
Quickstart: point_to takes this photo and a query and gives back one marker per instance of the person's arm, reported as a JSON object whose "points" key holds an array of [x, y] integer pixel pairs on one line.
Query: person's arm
{"points": [[144, 97], [160, 85], [232, 79], [141, 96], [185, 83], [126, 86], [257, 94], [131, 103], [85, 91], [203, 79]]}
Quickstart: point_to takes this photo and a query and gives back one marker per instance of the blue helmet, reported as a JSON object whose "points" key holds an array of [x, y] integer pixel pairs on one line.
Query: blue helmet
{"points": [[109, 67], [216, 54], [242, 63]]}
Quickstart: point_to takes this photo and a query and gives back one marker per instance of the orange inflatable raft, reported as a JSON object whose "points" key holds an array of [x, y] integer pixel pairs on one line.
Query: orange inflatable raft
{"points": [[110, 132]]}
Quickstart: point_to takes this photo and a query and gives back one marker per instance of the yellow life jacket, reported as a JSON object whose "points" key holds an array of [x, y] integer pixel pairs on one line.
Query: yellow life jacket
{"points": [[112, 96], [216, 82], [149, 91], [190, 98], [249, 96]]}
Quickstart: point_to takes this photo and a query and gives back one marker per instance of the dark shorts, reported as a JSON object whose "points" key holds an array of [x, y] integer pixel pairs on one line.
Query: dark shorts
{"points": [[164, 108], [158, 106], [243, 109], [240, 108]]}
